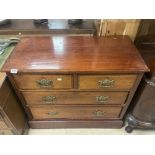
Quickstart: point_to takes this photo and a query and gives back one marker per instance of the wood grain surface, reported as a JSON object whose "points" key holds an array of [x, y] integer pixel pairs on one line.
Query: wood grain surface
{"points": [[69, 98], [28, 81], [74, 112], [119, 81], [75, 54]]}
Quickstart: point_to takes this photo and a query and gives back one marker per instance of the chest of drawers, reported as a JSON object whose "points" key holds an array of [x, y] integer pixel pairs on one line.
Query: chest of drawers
{"points": [[75, 81]]}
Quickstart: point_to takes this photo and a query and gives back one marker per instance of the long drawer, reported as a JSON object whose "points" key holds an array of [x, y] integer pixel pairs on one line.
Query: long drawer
{"points": [[106, 81], [104, 98], [75, 112], [27, 81]]}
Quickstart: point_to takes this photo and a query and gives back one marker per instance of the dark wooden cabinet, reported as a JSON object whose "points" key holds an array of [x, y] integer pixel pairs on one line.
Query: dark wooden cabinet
{"points": [[145, 108], [12, 116], [75, 81], [142, 114]]}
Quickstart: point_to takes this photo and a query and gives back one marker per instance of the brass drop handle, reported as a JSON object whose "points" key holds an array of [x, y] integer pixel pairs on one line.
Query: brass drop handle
{"points": [[53, 113], [45, 83], [99, 113], [49, 99], [102, 99], [106, 83]]}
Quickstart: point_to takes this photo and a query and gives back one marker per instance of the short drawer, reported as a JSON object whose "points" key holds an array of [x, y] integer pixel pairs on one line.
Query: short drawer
{"points": [[43, 81], [106, 81], [75, 97], [6, 132], [3, 125], [75, 112]]}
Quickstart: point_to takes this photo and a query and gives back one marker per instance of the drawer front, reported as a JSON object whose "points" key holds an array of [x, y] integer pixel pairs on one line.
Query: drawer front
{"points": [[75, 97], [75, 112], [106, 81], [3, 125], [6, 132], [44, 81]]}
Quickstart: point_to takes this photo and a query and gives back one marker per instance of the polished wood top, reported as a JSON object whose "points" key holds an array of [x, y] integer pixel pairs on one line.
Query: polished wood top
{"points": [[75, 54]]}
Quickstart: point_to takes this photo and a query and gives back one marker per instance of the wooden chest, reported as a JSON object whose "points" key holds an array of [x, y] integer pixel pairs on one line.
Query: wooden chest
{"points": [[75, 81], [12, 116]]}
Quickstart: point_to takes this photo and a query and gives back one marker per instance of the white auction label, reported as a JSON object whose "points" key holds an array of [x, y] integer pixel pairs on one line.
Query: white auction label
{"points": [[14, 71]]}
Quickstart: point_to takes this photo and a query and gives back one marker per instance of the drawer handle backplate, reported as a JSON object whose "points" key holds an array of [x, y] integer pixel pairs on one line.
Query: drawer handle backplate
{"points": [[102, 99], [45, 83], [99, 113], [106, 83], [49, 99]]}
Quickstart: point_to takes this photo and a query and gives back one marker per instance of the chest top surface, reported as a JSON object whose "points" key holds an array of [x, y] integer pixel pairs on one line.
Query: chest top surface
{"points": [[75, 54]]}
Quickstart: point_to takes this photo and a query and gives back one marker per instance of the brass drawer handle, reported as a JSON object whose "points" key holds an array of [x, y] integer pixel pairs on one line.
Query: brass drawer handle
{"points": [[102, 99], [45, 83], [49, 99], [106, 83], [53, 113], [99, 113]]}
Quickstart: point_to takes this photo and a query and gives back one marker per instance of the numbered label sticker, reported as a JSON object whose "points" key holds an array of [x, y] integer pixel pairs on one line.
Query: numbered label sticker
{"points": [[14, 71]]}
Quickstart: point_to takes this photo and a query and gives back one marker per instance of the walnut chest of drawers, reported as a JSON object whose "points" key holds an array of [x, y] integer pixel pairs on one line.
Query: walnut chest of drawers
{"points": [[75, 81]]}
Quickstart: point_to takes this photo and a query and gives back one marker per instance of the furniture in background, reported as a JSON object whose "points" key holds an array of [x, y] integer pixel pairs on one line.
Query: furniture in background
{"points": [[12, 116], [75, 82], [27, 27], [142, 114], [108, 27]]}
